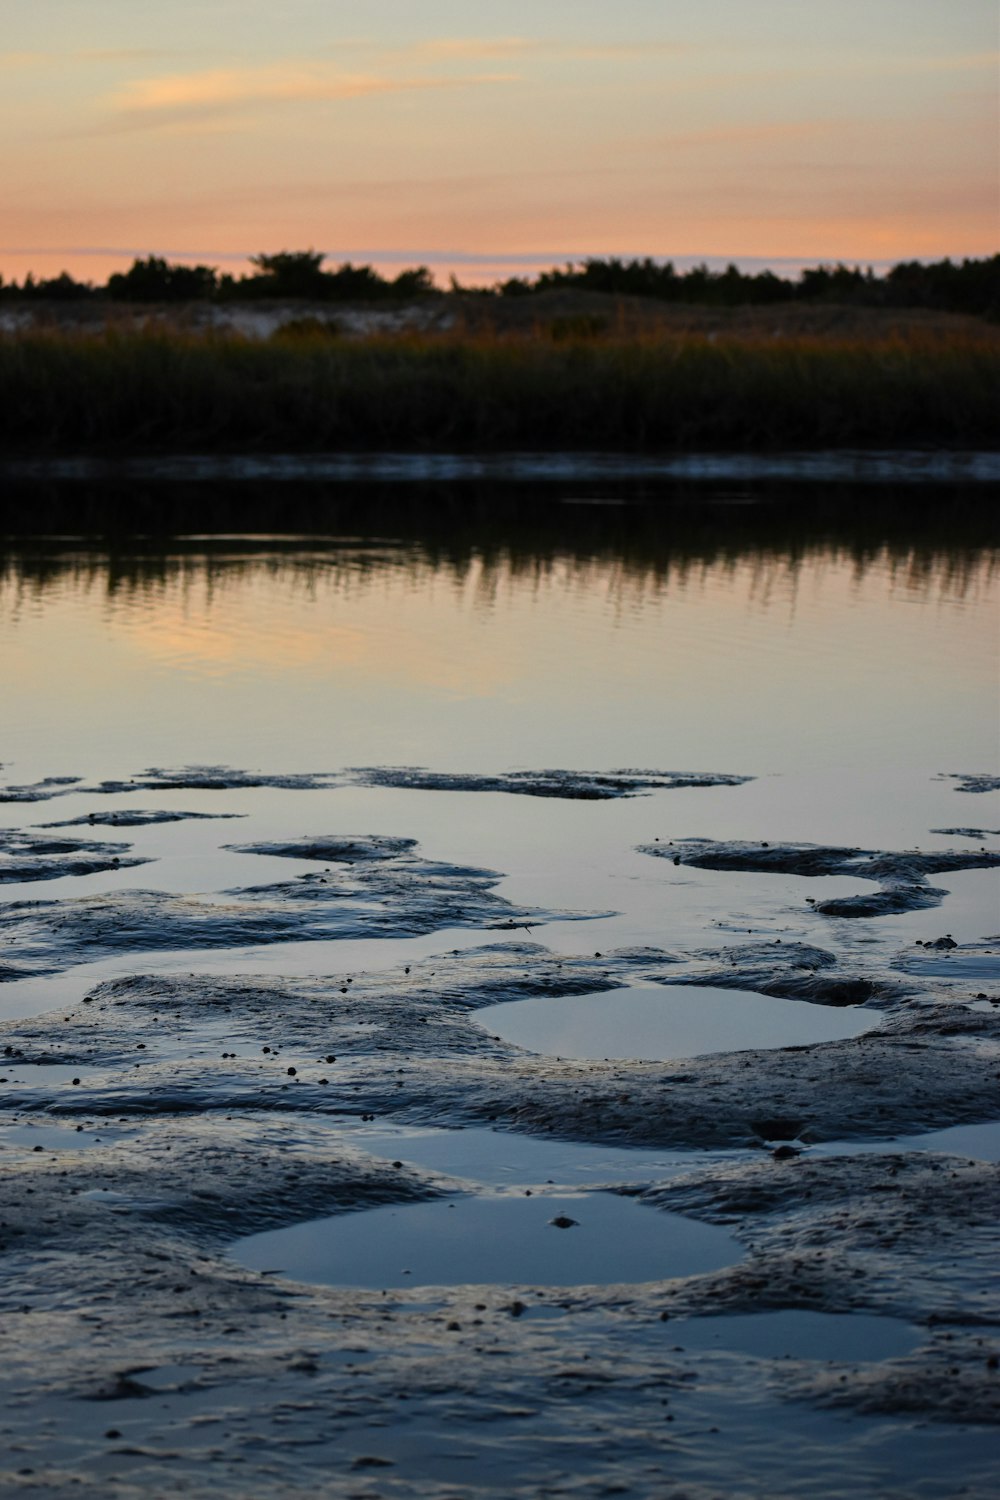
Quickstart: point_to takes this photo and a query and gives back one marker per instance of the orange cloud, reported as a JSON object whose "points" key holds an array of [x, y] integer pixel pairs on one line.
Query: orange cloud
{"points": [[195, 96]]}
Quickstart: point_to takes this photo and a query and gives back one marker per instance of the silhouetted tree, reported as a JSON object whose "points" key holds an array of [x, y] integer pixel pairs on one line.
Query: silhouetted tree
{"points": [[288, 273], [155, 280]]}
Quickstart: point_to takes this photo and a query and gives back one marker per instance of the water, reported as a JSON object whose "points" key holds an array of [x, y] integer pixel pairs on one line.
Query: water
{"points": [[473, 635], [662, 1022], [839, 646], [798, 1335], [545, 1239]]}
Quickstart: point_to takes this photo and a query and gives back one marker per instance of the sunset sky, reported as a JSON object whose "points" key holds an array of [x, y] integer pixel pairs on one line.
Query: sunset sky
{"points": [[496, 138]]}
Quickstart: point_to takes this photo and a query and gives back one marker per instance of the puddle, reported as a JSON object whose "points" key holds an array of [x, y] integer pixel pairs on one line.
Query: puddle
{"points": [[500, 1239], [980, 1142], [851, 1337], [59, 1137], [35, 1075], [663, 1022], [981, 968], [500, 1158]]}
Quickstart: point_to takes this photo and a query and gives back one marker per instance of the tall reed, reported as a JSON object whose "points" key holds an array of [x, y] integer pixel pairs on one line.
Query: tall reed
{"points": [[164, 390]]}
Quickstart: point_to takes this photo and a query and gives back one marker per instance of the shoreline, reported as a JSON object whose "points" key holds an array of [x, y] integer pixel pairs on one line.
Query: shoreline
{"points": [[904, 466]]}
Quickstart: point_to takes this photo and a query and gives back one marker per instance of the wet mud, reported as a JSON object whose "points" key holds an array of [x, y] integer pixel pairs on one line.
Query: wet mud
{"points": [[40, 791], [581, 785], [406, 1043], [26, 857], [968, 833], [124, 817], [153, 1119], [973, 781], [376, 887], [901, 876]]}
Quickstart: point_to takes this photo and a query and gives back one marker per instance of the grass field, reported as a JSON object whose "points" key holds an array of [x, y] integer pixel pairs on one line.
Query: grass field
{"points": [[572, 386]]}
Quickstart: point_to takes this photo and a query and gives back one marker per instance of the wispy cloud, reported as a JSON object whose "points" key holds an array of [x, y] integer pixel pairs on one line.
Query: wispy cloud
{"points": [[182, 98]]}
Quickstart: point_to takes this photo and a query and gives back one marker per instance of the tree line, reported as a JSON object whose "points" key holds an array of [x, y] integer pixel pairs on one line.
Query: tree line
{"points": [[969, 286]]}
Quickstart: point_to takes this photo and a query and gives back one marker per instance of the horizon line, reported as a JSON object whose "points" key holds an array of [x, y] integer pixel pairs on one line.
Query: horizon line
{"points": [[473, 259]]}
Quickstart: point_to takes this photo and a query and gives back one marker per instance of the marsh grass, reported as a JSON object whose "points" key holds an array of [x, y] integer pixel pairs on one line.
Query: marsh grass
{"points": [[164, 390]]}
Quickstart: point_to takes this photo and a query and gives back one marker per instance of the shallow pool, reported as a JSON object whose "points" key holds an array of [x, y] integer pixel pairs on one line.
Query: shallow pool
{"points": [[661, 1022], [560, 1239]]}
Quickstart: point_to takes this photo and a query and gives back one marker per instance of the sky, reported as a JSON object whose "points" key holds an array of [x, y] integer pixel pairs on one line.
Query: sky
{"points": [[494, 139]]}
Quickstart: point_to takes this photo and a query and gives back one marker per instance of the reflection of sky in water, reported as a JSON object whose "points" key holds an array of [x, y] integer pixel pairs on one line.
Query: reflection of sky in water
{"points": [[743, 664], [661, 1022], [506, 1238]]}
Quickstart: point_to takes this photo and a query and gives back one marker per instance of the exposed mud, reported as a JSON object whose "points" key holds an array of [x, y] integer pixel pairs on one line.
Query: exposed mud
{"points": [[406, 1043], [172, 1369], [333, 850], [124, 817], [973, 781], [215, 779], [902, 876], [29, 856], [379, 888], [40, 791], [150, 1123], [585, 785]]}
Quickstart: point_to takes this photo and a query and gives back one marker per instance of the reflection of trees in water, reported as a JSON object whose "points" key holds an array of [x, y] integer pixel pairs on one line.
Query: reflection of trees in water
{"points": [[630, 544]]}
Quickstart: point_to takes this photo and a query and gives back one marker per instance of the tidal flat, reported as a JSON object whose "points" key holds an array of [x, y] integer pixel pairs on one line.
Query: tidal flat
{"points": [[288, 1209]]}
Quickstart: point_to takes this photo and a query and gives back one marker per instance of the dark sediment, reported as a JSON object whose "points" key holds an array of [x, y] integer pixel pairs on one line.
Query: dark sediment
{"points": [[27, 857], [582, 785], [215, 779], [387, 890], [902, 876], [214, 1148], [137, 818], [334, 849], [407, 1043], [217, 1106], [40, 791], [974, 781]]}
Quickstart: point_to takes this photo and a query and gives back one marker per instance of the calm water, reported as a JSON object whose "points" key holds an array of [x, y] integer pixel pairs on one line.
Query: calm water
{"points": [[772, 639], [842, 649]]}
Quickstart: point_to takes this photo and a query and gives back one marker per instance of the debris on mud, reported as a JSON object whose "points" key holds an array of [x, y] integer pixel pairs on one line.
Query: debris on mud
{"points": [[901, 876]]}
